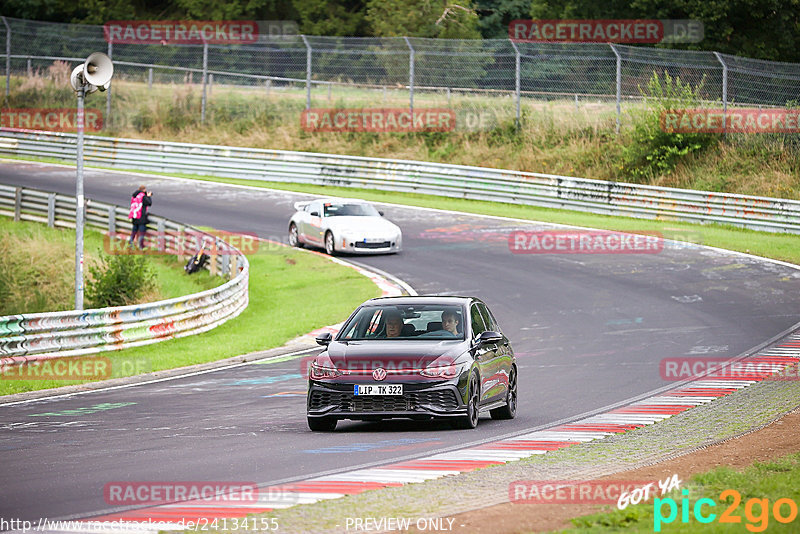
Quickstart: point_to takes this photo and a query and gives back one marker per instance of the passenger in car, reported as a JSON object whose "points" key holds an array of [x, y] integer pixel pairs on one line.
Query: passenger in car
{"points": [[450, 322]]}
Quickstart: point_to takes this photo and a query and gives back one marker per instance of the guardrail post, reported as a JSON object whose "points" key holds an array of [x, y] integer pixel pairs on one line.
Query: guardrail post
{"points": [[51, 210], [308, 71], [17, 203], [724, 92], [205, 80], [161, 228], [619, 82], [517, 77], [112, 220], [8, 56], [410, 76], [226, 264], [107, 119]]}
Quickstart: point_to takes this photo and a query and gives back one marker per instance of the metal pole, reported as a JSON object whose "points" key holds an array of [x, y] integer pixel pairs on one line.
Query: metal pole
{"points": [[205, 80], [724, 91], [150, 78], [107, 120], [517, 78], [8, 56], [308, 72], [619, 82], [410, 75], [79, 207]]}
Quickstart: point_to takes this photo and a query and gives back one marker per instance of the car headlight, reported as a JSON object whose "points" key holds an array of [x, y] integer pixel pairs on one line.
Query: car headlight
{"points": [[324, 369], [443, 371]]}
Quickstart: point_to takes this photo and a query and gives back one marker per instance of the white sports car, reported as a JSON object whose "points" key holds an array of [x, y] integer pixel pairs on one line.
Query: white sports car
{"points": [[343, 225]]}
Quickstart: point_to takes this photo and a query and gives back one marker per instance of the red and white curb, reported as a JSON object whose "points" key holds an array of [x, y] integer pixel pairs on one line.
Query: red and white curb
{"points": [[758, 367]]}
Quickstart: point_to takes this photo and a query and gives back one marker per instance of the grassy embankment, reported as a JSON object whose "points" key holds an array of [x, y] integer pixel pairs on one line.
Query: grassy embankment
{"points": [[556, 137], [765, 483], [38, 265]]}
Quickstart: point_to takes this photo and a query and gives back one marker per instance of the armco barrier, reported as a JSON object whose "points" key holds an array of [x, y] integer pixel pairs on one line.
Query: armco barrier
{"points": [[547, 190], [71, 333]]}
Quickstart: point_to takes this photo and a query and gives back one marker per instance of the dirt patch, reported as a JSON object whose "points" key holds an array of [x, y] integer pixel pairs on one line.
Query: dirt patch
{"points": [[778, 439]]}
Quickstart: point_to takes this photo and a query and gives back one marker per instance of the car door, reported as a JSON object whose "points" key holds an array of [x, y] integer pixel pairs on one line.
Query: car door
{"points": [[483, 354], [313, 224], [499, 366]]}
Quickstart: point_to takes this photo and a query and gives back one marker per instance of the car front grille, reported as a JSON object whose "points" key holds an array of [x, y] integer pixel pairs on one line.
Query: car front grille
{"points": [[440, 400], [382, 244]]}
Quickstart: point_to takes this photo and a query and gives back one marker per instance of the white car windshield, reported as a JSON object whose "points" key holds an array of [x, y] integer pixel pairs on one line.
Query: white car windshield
{"points": [[351, 209], [432, 322]]}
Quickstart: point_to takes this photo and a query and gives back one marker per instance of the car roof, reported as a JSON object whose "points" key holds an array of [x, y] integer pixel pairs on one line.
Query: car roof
{"points": [[421, 300]]}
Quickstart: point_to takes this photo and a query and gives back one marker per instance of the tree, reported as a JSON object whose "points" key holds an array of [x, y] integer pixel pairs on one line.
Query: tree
{"points": [[450, 19]]}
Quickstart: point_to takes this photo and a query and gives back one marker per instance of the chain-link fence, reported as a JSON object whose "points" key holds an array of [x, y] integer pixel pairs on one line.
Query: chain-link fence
{"points": [[495, 74]]}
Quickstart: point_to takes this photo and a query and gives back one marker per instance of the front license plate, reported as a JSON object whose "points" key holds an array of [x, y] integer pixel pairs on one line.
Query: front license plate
{"points": [[378, 389]]}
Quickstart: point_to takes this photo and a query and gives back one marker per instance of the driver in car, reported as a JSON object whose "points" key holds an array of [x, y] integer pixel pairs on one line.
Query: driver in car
{"points": [[394, 324], [450, 322]]}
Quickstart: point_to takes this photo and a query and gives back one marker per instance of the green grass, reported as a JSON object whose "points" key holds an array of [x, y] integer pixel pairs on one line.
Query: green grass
{"points": [[38, 266], [291, 293], [779, 479]]}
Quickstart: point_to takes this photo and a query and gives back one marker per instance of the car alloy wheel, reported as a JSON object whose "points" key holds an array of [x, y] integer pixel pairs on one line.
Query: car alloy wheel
{"points": [[509, 411], [329, 247], [294, 239]]}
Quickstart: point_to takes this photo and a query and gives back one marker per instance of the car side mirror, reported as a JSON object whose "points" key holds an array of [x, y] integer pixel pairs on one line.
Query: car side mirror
{"points": [[315, 214], [324, 338], [380, 213], [490, 337]]}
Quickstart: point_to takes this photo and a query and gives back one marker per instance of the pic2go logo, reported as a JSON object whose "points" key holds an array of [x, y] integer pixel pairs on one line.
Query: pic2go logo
{"points": [[756, 511]]}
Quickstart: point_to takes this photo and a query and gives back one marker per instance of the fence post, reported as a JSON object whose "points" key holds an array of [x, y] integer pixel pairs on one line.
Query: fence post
{"points": [[30, 68], [150, 78], [107, 118], [268, 85], [205, 80], [8, 56], [724, 92], [410, 75], [210, 84], [51, 210], [17, 203], [112, 221], [619, 81], [517, 77], [308, 72]]}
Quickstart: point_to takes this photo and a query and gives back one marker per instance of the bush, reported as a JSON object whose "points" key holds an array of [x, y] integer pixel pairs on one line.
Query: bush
{"points": [[120, 280], [652, 151]]}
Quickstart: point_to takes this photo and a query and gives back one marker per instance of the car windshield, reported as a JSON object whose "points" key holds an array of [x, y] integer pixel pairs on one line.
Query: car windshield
{"points": [[431, 322], [352, 209]]}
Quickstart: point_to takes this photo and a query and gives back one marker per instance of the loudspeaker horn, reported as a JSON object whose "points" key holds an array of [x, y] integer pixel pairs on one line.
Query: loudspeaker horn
{"points": [[98, 69]]}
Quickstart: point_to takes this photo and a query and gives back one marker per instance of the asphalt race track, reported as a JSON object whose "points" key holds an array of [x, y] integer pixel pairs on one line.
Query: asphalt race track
{"points": [[589, 330]]}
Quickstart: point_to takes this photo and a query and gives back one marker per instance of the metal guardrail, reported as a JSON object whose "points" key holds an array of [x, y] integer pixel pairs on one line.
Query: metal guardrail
{"points": [[76, 332], [535, 189]]}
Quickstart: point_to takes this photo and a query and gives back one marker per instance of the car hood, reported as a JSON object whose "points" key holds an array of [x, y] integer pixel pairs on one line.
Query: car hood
{"points": [[415, 354], [366, 226]]}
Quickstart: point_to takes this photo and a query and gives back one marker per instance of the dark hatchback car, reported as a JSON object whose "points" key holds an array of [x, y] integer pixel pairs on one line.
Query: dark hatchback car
{"points": [[417, 358]]}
